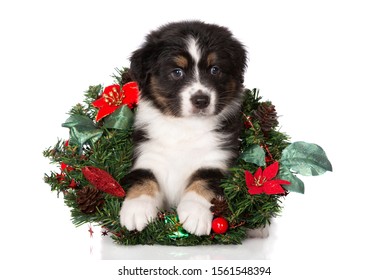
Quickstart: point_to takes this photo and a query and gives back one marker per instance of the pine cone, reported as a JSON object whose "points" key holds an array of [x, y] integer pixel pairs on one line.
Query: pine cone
{"points": [[266, 114], [89, 199], [219, 206]]}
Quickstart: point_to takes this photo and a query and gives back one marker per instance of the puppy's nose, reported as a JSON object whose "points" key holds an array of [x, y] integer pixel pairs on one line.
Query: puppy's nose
{"points": [[200, 100]]}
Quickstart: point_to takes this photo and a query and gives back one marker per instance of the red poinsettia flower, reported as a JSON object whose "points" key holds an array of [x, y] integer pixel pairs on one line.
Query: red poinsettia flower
{"points": [[262, 181], [113, 97]]}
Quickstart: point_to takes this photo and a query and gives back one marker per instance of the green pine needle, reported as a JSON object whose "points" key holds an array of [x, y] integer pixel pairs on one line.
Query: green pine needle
{"points": [[113, 152]]}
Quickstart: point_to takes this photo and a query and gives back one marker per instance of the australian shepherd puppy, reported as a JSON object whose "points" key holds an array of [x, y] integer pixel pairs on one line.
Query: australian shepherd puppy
{"points": [[186, 131]]}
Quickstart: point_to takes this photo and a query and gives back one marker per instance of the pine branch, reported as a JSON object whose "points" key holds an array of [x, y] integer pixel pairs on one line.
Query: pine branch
{"points": [[113, 153]]}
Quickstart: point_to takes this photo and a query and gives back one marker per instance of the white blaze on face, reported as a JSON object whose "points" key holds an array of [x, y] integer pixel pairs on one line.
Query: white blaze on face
{"points": [[187, 107], [195, 53]]}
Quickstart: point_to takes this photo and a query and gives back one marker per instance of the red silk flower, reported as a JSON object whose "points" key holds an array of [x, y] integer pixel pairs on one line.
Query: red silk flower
{"points": [[261, 181], [113, 97]]}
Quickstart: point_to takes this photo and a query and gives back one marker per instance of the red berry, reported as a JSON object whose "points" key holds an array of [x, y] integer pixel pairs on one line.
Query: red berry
{"points": [[219, 225]]}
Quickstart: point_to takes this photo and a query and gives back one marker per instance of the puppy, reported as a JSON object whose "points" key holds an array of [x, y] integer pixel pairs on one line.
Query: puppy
{"points": [[187, 126]]}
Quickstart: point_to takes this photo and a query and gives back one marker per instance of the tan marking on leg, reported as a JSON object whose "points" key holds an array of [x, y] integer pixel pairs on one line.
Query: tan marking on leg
{"points": [[200, 187], [148, 187]]}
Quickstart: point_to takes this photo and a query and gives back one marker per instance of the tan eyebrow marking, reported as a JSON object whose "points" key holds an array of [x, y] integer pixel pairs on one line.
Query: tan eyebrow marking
{"points": [[181, 61], [211, 59]]}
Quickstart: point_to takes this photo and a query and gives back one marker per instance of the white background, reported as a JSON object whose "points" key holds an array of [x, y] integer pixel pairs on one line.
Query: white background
{"points": [[324, 64]]}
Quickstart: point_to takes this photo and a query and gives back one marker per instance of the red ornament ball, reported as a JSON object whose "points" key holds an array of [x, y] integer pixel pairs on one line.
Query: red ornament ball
{"points": [[219, 225]]}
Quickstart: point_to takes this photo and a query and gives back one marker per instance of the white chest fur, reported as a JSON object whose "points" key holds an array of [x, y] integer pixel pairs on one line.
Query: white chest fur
{"points": [[176, 148]]}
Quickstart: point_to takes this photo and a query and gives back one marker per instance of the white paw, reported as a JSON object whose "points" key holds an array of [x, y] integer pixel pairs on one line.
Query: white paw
{"points": [[195, 215], [136, 213]]}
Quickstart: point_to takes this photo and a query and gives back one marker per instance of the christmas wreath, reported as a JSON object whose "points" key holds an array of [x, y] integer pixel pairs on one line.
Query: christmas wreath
{"points": [[98, 154]]}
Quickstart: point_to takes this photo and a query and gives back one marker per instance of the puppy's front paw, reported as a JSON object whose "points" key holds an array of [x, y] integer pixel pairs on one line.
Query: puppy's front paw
{"points": [[136, 213], [195, 215]]}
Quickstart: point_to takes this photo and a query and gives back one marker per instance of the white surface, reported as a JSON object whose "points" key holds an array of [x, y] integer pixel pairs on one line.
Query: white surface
{"points": [[325, 66]]}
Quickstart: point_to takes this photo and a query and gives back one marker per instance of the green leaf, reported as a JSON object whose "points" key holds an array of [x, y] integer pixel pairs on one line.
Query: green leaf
{"points": [[296, 185], [122, 118], [306, 159], [254, 154], [82, 129]]}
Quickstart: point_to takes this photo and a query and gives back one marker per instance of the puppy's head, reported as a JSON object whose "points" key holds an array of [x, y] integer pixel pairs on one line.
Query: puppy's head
{"points": [[190, 69]]}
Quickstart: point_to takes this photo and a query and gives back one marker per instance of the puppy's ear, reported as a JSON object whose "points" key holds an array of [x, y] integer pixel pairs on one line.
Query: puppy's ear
{"points": [[240, 58], [142, 61], [126, 76]]}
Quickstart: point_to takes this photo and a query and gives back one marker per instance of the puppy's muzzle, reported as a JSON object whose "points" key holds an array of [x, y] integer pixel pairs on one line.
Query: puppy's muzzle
{"points": [[200, 100]]}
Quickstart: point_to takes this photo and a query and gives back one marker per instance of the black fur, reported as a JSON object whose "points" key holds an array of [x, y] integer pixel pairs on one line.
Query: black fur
{"points": [[155, 59], [186, 131], [137, 177], [211, 176]]}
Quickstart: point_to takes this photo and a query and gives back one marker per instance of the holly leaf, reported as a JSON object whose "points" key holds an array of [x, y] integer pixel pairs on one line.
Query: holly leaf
{"points": [[82, 129], [296, 185], [122, 118], [306, 159], [254, 154]]}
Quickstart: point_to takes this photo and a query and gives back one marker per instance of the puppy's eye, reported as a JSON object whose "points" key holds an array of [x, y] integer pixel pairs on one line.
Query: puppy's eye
{"points": [[177, 73], [214, 70]]}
